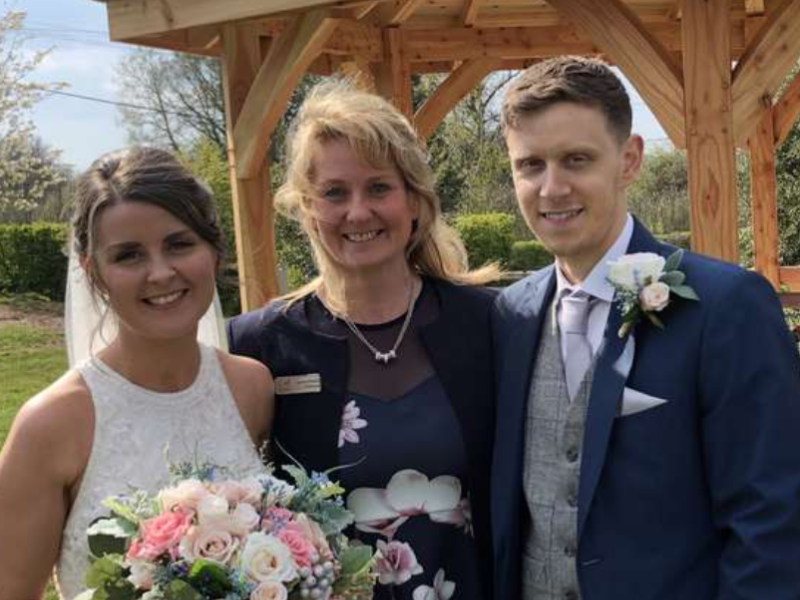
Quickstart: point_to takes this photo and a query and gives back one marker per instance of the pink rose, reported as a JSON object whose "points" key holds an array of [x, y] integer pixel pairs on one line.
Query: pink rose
{"points": [[186, 495], [276, 518], [248, 491], [655, 296], [313, 533], [209, 542], [396, 563], [270, 590], [159, 534], [301, 547]]}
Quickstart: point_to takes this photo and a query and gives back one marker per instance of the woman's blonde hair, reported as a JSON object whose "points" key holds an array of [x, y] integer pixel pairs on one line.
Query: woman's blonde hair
{"points": [[380, 135]]}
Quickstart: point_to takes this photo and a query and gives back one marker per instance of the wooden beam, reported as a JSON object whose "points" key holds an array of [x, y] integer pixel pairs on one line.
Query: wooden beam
{"points": [[709, 128], [763, 197], [754, 7], [135, 18], [787, 110], [470, 12], [763, 66], [361, 11], [393, 76], [620, 34], [398, 11], [253, 212], [450, 92], [790, 279], [289, 58]]}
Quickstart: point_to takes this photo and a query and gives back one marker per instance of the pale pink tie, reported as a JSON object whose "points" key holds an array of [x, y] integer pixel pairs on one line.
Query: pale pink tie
{"points": [[573, 319]]}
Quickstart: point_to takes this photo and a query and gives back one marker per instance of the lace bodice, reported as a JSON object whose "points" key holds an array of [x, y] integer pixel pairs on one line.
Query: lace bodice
{"points": [[135, 428]]}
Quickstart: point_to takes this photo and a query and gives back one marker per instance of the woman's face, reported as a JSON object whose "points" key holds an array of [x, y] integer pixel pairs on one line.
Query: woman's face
{"points": [[364, 214], [157, 273]]}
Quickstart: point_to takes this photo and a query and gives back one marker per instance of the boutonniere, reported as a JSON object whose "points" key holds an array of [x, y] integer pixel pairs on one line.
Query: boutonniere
{"points": [[645, 283]]}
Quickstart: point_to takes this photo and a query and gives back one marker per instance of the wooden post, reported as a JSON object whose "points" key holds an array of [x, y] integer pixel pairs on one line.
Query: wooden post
{"points": [[709, 128], [360, 73], [253, 211], [763, 195], [393, 76]]}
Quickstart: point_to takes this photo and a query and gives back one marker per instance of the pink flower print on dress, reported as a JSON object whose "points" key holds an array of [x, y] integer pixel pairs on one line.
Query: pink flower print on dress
{"points": [[396, 563], [441, 590], [351, 422]]}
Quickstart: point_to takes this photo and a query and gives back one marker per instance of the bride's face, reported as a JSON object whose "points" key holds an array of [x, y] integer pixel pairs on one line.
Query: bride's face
{"points": [[156, 272]]}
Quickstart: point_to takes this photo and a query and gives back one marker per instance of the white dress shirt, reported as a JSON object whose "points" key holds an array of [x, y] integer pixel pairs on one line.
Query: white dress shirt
{"points": [[597, 286]]}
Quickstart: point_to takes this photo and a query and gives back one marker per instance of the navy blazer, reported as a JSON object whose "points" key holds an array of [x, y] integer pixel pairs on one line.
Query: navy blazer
{"points": [[307, 426], [695, 499]]}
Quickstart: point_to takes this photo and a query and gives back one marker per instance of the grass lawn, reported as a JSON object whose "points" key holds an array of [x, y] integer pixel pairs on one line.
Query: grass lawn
{"points": [[32, 355]]}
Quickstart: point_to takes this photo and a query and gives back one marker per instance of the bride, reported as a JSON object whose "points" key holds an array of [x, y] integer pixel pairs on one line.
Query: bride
{"points": [[148, 241]]}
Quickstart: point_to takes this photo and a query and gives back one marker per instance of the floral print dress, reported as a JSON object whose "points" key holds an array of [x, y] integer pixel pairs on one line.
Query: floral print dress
{"points": [[408, 490]]}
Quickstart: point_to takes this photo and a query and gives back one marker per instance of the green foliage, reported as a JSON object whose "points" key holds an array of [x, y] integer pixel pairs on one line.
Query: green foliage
{"points": [[660, 196], [681, 239], [294, 252], [33, 259], [529, 255], [787, 163], [488, 237]]}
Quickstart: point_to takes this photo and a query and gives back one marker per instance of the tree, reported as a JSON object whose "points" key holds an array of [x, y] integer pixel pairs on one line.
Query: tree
{"points": [[660, 195], [29, 170]]}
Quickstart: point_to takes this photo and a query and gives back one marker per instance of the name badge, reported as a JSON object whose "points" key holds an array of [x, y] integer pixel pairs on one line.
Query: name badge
{"points": [[298, 384]]}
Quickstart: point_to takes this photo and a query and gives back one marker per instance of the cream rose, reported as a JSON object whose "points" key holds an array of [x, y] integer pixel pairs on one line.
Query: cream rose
{"points": [[186, 495], [248, 490], [633, 271], [210, 542], [243, 520], [265, 558], [142, 573], [655, 296], [269, 590]]}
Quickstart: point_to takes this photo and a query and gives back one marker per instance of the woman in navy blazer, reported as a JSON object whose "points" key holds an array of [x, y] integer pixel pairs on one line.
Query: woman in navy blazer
{"points": [[384, 362]]}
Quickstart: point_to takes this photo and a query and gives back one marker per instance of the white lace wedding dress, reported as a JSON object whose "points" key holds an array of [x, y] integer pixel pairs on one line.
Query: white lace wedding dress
{"points": [[135, 428]]}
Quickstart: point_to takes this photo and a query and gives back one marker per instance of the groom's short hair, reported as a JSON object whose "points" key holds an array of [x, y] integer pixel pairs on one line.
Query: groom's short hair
{"points": [[576, 79]]}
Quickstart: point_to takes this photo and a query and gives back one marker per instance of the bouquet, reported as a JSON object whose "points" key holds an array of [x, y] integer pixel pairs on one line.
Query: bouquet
{"points": [[210, 538]]}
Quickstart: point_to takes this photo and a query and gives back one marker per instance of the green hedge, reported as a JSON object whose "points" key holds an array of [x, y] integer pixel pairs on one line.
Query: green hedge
{"points": [[529, 255], [488, 237], [33, 259], [681, 239]]}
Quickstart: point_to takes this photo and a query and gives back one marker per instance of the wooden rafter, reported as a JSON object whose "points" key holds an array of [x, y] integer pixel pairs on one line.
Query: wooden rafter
{"points": [[787, 110], [763, 66], [393, 76], [447, 95], [289, 58], [790, 278], [136, 18], [620, 34], [754, 7], [709, 128], [253, 214], [398, 11], [360, 73], [470, 13], [764, 192]]}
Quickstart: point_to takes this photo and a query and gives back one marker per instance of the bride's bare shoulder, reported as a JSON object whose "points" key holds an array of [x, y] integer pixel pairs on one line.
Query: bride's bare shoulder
{"points": [[57, 424]]}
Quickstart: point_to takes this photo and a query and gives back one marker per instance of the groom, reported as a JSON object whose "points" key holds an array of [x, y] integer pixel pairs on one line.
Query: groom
{"points": [[653, 464]]}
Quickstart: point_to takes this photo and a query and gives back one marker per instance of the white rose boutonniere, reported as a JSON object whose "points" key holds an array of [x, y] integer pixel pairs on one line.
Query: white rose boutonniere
{"points": [[645, 283]]}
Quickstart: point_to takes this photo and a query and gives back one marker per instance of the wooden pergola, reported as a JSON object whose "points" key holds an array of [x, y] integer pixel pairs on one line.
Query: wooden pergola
{"points": [[708, 69]]}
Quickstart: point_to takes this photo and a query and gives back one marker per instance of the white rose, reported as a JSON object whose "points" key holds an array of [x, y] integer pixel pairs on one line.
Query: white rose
{"points": [[211, 542], [244, 519], [212, 509], [142, 573], [270, 590], [266, 558], [634, 271], [248, 490], [655, 296]]}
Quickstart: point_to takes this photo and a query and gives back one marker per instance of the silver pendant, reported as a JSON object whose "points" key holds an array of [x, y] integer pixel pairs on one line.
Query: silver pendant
{"points": [[385, 357]]}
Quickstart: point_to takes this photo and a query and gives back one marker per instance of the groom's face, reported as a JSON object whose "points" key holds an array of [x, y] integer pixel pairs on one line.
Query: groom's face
{"points": [[570, 173]]}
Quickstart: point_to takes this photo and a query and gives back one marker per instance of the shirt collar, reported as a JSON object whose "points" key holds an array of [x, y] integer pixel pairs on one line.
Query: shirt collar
{"points": [[596, 283]]}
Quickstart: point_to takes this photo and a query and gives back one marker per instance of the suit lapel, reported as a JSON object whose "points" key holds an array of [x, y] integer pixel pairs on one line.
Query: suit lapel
{"points": [[607, 388]]}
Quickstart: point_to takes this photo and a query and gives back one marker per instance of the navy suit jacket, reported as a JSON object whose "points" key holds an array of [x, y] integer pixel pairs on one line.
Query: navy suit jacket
{"points": [[695, 499]]}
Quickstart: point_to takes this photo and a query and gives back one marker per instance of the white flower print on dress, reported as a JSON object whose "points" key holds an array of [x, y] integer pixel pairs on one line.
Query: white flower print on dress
{"points": [[441, 590], [351, 422], [409, 493]]}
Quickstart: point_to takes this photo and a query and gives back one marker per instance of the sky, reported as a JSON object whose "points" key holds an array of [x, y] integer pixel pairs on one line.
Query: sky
{"points": [[84, 59]]}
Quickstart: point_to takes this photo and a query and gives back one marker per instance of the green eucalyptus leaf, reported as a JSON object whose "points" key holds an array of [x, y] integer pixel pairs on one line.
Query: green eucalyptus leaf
{"points": [[354, 559], [211, 577], [110, 536], [684, 291], [298, 474], [655, 320], [180, 590], [673, 278], [101, 571], [121, 510], [674, 261]]}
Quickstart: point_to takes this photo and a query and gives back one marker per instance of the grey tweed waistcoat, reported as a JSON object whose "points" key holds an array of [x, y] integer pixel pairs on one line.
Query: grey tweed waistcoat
{"points": [[553, 440]]}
